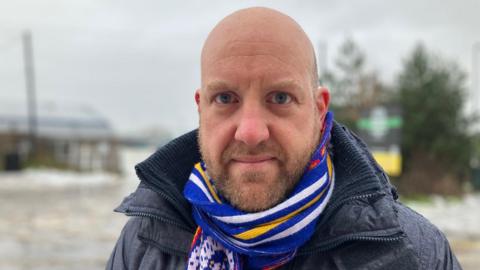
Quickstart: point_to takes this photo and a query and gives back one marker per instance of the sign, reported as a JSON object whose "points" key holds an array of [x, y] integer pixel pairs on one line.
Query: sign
{"points": [[380, 128]]}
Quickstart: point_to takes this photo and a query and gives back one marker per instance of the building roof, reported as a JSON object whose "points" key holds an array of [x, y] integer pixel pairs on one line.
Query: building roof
{"points": [[55, 120]]}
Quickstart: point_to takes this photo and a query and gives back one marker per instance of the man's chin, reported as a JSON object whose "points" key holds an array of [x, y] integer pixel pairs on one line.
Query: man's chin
{"points": [[254, 196], [253, 205]]}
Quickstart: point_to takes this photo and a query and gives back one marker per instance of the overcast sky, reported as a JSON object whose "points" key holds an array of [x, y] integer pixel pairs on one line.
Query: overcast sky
{"points": [[137, 62]]}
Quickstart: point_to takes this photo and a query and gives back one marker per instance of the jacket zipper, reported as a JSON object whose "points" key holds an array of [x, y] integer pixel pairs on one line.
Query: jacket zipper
{"points": [[353, 198], [160, 218], [335, 205], [173, 201], [334, 244], [338, 241], [382, 239]]}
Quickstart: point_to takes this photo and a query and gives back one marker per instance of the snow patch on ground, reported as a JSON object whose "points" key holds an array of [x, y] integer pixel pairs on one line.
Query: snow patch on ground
{"points": [[51, 178], [456, 218], [46, 178]]}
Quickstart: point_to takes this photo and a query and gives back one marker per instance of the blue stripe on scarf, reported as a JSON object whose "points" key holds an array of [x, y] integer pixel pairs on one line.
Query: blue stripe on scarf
{"points": [[241, 227]]}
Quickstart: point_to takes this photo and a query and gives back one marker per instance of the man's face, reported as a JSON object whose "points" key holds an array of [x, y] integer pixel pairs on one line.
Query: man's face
{"points": [[260, 121]]}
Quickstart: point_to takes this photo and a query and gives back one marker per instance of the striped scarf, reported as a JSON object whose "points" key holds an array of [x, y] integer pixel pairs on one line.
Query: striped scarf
{"points": [[227, 238]]}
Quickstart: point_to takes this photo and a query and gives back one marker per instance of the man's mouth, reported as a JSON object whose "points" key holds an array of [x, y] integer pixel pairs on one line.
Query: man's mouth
{"points": [[253, 163], [253, 159]]}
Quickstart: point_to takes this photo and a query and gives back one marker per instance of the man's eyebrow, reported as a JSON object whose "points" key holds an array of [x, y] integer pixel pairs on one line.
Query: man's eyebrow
{"points": [[290, 84], [218, 85]]}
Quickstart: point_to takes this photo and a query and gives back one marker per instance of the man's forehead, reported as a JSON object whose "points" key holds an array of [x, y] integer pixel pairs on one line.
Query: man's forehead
{"points": [[257, 28], [245, 47]]}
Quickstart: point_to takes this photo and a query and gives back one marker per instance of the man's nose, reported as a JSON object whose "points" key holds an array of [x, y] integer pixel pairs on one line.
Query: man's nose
{"points": [[252, 128]]}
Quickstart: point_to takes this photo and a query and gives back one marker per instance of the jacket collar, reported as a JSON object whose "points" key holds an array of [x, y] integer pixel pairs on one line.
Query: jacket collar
{"points": [[361, 204]]}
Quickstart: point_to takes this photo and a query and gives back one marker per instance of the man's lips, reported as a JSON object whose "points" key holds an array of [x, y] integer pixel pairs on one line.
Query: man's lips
{"points": [[253, 159]]}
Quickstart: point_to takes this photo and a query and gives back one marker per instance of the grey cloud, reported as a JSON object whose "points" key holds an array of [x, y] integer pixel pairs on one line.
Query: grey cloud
{"points": [[137, 62]]}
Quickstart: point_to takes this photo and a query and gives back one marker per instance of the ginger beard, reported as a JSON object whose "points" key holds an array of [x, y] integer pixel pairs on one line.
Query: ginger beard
{"points": [[259, 189]]}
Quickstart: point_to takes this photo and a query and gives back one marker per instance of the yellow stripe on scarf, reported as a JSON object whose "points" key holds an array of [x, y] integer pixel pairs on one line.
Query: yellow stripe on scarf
{"points": [[209, 185], [329, 166], [257, 231]]}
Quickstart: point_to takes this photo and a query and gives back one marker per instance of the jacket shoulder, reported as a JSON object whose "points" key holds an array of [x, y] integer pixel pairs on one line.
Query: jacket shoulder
{"points": [[429, 243], [144, 244]]}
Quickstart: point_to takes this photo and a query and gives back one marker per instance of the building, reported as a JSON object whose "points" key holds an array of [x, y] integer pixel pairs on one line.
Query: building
{"points": [[68, 136]]}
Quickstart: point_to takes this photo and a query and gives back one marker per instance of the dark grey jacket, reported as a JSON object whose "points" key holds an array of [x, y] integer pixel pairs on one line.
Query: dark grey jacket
{"points": [[362, 227]]}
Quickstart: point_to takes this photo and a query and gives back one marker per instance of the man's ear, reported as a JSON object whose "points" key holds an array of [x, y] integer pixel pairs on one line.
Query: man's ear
{"points": [[197, 99], [322, 100]]}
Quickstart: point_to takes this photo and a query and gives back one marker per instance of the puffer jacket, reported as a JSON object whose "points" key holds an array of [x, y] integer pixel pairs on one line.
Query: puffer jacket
{"points": [[362, 227]]}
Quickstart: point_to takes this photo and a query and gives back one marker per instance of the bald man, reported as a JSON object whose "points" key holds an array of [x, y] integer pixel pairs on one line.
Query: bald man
{"points": [[269, 180]]}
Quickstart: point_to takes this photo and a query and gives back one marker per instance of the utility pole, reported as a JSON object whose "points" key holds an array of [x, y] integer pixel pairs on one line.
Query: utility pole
{"points": [[31, 95]]}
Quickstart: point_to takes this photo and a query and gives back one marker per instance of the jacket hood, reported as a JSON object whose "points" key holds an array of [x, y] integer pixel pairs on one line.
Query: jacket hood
{"points": [[162, 177]]}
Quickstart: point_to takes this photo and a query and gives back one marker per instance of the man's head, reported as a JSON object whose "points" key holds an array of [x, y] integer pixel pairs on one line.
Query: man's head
{"points": [[260, 106]]}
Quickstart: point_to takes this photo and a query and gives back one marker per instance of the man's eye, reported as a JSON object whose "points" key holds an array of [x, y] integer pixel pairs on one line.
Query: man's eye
{"points": [[225, 98], [280, 98]]}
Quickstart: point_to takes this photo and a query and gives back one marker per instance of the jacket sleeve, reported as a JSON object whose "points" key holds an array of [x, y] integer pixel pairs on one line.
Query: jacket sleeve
{"points": [[441, 255], [430, 244], [128, 249]]}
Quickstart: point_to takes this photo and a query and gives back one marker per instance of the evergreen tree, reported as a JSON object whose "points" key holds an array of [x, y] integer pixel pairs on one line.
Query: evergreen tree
{"points": [[353, 89], [435, 145]]}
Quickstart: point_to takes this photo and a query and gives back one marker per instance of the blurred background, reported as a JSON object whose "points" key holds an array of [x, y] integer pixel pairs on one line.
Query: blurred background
{"points": [[90, 88]]}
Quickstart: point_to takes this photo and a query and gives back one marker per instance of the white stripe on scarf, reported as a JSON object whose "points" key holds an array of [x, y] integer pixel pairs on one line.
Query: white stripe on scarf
{"points": [[295, 228], [291, 201], [194, 178]]}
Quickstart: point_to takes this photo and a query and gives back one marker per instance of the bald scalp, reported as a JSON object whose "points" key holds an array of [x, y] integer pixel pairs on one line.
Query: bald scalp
{"points": [[257, 25]]}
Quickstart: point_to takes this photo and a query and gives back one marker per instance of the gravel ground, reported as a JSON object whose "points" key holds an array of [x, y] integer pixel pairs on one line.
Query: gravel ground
{"points": [[62, 220]]}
